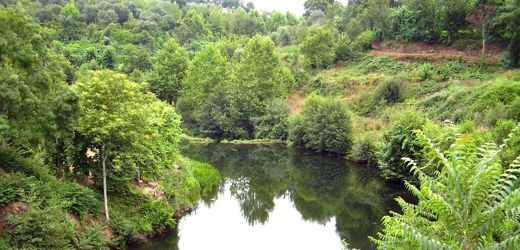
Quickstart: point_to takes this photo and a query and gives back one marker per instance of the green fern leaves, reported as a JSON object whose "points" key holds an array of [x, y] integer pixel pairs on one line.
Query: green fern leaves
{"points": [[472, 203]]}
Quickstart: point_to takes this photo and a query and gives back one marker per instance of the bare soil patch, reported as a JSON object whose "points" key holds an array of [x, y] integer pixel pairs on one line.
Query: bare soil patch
{"points": [[423, 52], [295, 101]]}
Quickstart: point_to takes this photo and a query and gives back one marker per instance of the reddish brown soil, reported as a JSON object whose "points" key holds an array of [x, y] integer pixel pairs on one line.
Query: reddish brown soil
{"points": [[418, 51], [11, 209]]}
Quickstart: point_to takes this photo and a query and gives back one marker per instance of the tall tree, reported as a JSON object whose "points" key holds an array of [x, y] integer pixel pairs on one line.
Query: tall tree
{"points": [[31, 78], [206, 72], [260, 74], [316, 5], [112, 115], [481, 18], [168, 72]]}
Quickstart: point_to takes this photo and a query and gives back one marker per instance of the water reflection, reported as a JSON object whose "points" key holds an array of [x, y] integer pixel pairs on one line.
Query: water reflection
{"points": [[302, 197]]}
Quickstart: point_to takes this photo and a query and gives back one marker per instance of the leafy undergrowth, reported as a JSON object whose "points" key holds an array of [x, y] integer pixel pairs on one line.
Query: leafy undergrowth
{"points": [[39, 211], [377, 89]]}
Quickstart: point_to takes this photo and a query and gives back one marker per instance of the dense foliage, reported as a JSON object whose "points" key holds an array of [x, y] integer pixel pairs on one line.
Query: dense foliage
{"points": [[323, 125], [472, 203]]}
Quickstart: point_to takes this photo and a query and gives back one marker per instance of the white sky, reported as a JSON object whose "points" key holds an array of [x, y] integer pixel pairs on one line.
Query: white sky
{"points": [[294, 6]]}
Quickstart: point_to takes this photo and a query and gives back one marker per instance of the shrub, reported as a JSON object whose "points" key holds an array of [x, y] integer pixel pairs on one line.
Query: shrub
{"points": [[325, 125], [79, 200], [392, 91], [365, 149], [159, 214], [343, 48], [400, 141], [367, 105], [180, 187], [365, 39], [500, 133], [11, 161], [382, 64], [40, 228], [318, 48], [471, 203], [458, 69], [273, 123], [92, 238], [14, 187], [426, 71]]}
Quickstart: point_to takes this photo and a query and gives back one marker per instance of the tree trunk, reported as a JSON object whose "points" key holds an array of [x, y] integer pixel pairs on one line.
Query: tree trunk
{"points": [[483, 52], [105, 196]]}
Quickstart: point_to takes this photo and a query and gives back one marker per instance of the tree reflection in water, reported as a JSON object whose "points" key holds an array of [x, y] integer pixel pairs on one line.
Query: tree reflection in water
{"points": [[320, 187]]}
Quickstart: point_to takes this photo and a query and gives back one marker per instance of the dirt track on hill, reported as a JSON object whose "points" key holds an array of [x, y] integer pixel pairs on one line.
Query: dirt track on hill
{"points": [[435, 53]]}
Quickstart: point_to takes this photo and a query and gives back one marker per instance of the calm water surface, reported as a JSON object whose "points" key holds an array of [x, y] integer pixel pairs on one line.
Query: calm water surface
{"points": [[273, 197]]}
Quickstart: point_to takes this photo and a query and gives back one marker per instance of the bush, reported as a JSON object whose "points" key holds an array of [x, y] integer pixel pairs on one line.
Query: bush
{"points": [[343, 48], [324, 125], [180, 188], [365, 39], [392, 91], [365, 149], [318, 48], [79, 200], [273, 123], [11, 161], [401, 141], [382, 64], [92, 238], [40, 228], [225, 115], [159, 214], [14, 187], [505, 129]]}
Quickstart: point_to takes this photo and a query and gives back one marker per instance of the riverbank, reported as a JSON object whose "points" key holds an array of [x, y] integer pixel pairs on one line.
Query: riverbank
{"points": [[67, 212]]}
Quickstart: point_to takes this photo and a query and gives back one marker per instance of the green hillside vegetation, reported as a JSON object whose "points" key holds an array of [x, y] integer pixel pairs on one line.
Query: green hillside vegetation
{"points": [[95, 97]]}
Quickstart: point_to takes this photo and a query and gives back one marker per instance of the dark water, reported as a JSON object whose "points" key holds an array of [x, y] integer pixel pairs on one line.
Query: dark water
{"points": [[272, 197]]}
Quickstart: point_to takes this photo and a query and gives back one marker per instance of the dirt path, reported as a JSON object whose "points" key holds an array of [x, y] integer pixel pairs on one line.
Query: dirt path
{"points": [[435, 53], [295, 101]]}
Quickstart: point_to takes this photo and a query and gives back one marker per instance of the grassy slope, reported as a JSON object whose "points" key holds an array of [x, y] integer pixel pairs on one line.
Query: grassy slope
{"points": [[442, 90]]}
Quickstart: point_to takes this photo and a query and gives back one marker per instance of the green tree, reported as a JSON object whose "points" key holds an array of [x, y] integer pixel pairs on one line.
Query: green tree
{"points": [[71, 25], [260, 75], [274, 123], [316, 5], [472, 203], [206, 72], [276, 20], [192, 27], [112, 115], [481, 18], [318, 48], [132, 58], [168, 72], [32, 77]]}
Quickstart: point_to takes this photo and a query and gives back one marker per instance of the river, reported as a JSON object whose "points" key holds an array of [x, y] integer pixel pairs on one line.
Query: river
{"points": [[274, 197]]}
